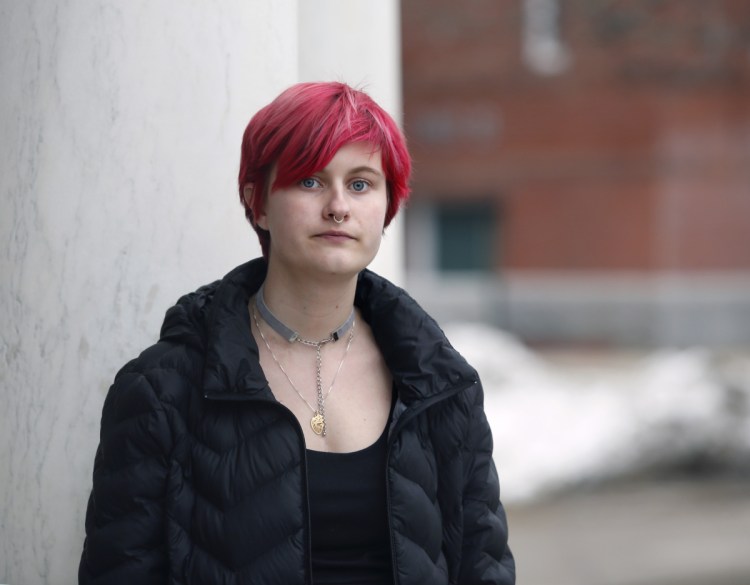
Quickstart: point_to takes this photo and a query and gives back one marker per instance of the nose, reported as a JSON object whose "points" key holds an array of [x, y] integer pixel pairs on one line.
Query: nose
{"points": [[337, 205]]}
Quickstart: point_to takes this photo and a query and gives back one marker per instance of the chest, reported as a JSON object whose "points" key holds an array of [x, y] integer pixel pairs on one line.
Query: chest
{"points": [[355, 388]]}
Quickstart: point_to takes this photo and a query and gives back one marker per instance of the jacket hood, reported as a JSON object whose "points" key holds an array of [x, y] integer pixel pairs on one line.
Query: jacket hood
{"points": [[215, 320]]}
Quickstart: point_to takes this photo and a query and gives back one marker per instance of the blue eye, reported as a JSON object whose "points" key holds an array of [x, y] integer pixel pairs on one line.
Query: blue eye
{"points": [[309, 183], [359, 186]]}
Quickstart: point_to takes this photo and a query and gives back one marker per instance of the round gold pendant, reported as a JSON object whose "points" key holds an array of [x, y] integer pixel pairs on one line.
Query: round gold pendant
{"points": [[318, 423]]}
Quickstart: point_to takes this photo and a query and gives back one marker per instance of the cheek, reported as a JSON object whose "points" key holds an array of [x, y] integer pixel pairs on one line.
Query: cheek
{"points": [[374, 215], [384, 211], [279, 213]]}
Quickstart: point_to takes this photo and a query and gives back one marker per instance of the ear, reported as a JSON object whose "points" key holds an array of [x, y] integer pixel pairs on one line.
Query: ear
{"points": [[248, 192]]}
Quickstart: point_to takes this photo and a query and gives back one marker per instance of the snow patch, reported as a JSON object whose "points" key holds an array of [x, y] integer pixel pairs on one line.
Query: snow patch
{"points": [[550, 432]]}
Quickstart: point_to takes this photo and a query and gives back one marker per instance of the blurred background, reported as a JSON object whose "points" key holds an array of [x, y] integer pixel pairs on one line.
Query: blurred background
{"points": [[581, 223], [580, 226], [582, 167]]}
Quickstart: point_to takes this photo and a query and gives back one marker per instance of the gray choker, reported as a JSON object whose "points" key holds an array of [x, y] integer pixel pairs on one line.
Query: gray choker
{"points": [[290, 334]]}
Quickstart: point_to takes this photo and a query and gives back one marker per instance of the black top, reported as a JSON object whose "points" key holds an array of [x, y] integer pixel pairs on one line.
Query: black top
{"points": [[348, 516]]}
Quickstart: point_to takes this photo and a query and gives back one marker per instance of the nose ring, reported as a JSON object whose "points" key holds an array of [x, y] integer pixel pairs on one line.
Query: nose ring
{"points": [[337, 220]]}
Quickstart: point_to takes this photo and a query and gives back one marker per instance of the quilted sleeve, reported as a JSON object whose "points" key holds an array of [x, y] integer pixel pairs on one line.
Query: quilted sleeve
{"points": [[486, 558], [125, 536]]}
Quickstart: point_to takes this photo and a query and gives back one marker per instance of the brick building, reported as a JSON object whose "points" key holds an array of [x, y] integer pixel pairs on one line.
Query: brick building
{"points": [[582, 167]]}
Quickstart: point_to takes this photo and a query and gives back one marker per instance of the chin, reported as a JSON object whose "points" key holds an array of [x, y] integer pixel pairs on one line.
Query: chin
{"points": [[348, 266]]}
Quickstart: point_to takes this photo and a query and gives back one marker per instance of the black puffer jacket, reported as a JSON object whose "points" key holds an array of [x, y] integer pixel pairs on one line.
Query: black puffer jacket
{"points": [[200, 475]]}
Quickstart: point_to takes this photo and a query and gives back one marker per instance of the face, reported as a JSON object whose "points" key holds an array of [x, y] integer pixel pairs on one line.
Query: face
{"points": [[303, 219]]}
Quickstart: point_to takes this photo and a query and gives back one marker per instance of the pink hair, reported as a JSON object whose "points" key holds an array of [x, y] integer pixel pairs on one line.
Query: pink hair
{"points": [[299, 133]]}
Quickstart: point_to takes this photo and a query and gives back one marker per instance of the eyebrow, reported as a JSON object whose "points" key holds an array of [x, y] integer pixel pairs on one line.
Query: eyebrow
{"points": [[357, 170], [365, 169]]}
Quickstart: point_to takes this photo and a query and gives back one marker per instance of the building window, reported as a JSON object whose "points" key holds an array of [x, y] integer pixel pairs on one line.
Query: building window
{"points": [[465, 236]]}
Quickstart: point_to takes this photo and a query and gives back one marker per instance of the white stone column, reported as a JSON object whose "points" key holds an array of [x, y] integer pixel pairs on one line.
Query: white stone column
{"points": [[358, 42], [121, 124]]}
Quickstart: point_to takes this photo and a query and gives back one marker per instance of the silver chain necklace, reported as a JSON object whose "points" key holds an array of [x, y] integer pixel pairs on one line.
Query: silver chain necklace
{"points": [[318, 421]]}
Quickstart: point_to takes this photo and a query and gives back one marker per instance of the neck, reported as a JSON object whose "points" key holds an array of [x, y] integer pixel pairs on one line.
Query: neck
{"points": [[313, 310]]}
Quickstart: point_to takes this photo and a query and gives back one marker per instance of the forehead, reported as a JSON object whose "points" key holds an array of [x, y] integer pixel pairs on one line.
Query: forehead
{"points": [[362, 156]]}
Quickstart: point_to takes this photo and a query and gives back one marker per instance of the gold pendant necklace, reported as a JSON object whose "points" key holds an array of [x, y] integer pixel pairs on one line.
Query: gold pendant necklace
{"points": [[318, 420], [318, 423]]}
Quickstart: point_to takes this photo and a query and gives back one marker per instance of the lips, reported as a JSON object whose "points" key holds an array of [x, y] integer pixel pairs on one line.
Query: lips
{"points": [[335, 235]]}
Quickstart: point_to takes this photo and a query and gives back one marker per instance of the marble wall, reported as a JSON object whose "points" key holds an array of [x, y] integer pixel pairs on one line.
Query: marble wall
{"points": [[120, 126]]}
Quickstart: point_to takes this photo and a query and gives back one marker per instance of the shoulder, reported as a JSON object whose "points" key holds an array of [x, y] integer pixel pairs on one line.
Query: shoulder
{"points": [[189, 320], [160, 379], [163, 372], [181, 342], [170, 368]]}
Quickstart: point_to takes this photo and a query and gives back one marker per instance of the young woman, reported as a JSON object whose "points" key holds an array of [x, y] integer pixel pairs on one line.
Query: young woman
{"points": [[301, 420]]}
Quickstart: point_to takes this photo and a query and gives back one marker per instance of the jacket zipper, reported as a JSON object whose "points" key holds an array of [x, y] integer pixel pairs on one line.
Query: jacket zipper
{"points": [[403, 419]]}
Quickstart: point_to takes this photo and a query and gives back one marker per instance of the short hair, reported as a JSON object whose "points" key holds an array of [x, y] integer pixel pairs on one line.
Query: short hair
{"points": [[301, 130]]}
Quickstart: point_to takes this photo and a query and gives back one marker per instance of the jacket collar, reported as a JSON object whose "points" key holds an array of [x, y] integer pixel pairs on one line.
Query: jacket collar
{"points": [[421, 360]]}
